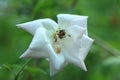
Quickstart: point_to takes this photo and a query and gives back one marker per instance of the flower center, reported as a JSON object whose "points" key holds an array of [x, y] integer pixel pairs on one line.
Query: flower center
{"points": [[60, 34]]}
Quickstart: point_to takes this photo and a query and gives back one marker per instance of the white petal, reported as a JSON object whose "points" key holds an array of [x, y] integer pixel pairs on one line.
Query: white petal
{"points": [[86, 43], [66, 20], [32, 26], [71, 52], [50, 24], [53, 70], [74, 60], [37, 45], [56, 59], [70, 46], [75, 31], [29, 53], [81, 21]]}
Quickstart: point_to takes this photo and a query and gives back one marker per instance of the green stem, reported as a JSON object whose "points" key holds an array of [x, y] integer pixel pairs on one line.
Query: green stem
{"points": [[106, 46], [18, 73]]}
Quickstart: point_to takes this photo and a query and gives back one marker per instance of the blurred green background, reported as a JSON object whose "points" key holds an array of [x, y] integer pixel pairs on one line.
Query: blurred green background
{"points": [[103, 61]]}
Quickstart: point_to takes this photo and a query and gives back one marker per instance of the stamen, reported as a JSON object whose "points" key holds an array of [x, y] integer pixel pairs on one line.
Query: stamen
{"points": [[61, 33]]}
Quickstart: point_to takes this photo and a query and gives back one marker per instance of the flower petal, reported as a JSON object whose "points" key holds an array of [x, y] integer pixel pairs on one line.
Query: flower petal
{"points": [[71, 52], [86, 43], [29, 53], [50, 24], [75, 31], [70, 46], [53, 70], [32, 26], [74, 60], [56, 59], [66, 20], [37, 45]]}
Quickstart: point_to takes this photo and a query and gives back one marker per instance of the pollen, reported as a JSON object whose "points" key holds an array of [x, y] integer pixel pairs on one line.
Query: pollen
{"points": [[57, 47], [61, 33]]}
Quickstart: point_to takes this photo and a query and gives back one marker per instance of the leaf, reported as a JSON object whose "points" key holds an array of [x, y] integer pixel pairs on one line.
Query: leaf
{"points": [[35, 70]]}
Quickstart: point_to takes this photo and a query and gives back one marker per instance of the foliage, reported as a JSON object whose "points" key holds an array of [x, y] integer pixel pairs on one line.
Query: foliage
{"points": [[103, 60]]}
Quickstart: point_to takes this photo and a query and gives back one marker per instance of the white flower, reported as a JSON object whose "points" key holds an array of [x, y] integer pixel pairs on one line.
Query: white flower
{"points": [[65, 42]]}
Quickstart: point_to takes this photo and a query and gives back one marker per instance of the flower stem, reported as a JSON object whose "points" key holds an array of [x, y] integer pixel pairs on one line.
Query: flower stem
{"points": [[106, 46], [18, 73]]}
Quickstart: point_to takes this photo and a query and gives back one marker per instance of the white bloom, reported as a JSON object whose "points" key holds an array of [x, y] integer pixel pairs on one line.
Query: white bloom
{"points": [[65, 42]]}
